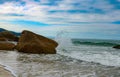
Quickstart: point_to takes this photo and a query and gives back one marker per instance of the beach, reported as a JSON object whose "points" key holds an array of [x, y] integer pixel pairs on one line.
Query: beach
{"points": [[4, 72], [89, 59], [54, 65], [59, 38]]}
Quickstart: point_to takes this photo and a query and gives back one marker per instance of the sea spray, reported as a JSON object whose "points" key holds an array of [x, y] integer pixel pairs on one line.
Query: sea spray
{"points": [[104, 55], [63, 40]]}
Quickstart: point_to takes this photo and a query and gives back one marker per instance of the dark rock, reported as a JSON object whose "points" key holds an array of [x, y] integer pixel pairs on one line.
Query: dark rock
{"points": [[30, 42], [117, 47], [6, 46], [8, 35]]}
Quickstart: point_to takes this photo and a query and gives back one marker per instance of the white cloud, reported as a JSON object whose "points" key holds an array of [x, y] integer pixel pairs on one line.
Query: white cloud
{"points": [[11, 27], [37, 11]]}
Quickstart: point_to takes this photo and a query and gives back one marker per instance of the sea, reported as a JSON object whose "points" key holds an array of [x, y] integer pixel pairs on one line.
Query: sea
{"points": [[74, 58]]}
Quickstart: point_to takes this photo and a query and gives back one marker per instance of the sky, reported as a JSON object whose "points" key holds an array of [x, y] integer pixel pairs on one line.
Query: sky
{"points": [[92, 19]]}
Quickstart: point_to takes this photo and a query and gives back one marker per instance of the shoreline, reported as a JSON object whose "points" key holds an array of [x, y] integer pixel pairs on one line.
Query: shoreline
{"points": [[55, 65], [4, 72]]}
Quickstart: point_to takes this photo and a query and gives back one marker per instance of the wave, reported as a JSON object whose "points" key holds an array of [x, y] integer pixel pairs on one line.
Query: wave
{"points": [[95, 43]]}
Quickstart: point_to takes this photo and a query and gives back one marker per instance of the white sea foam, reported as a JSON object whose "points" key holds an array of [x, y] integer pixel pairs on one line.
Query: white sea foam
{"points": [[106, 58], [98, 54], [33, 65]]}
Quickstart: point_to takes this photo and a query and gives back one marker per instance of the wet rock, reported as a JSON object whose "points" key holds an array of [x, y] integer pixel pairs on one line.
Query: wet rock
{"points": [[8, 35], [30, 42], [117, 47], [6, 46], [3, 39]]}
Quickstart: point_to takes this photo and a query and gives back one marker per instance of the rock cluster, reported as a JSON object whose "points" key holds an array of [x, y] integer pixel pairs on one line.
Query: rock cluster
{"points": [[28, 42]]}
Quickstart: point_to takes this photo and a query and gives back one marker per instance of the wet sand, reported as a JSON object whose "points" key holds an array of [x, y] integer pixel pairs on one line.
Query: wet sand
{"points": [[4, 72]]}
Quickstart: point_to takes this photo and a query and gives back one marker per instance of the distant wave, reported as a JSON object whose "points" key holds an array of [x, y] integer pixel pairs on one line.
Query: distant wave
{"points": [[95, 43]]}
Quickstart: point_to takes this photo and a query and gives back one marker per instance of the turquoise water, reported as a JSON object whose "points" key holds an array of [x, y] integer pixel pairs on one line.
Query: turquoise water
{"points": [[96, 42]]}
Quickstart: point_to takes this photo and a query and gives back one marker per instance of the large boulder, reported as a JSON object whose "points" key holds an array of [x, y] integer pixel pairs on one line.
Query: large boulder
{"points": [[6, 46], [30, 42], [117, 47], [8, 35]]}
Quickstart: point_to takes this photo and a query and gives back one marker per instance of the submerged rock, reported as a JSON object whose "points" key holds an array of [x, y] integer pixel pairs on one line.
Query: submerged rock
{"points": [[6, 46], [117, 47], [30, 42], [8, 35]]}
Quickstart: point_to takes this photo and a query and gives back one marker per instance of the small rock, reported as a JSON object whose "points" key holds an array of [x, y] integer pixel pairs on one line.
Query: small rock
{"points": [[3, 39], [8, 35], [6, 46], [117, 47]]}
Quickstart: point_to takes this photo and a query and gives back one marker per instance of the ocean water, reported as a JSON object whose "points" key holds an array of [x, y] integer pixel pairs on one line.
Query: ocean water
{"points": [[74, 58], [91, 50]]}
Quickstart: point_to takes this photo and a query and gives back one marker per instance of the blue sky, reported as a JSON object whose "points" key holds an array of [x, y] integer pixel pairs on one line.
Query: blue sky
{"points": [[97, 19]]}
